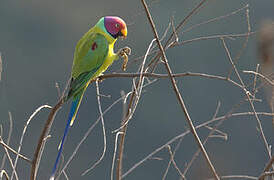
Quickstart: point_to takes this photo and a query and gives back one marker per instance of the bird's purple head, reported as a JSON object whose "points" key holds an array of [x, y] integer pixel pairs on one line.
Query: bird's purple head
{"points": [[115, 26]]}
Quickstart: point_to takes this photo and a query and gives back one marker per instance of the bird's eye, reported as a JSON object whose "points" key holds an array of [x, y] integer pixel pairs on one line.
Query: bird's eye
{"points": [[117, 25]]}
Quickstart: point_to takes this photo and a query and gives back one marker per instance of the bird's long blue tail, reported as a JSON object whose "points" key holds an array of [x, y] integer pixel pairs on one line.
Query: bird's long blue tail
{"points": [[73, 111]]}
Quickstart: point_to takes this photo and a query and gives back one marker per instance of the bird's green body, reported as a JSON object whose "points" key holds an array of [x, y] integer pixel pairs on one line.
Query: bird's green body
{"points": [[93, 55]]}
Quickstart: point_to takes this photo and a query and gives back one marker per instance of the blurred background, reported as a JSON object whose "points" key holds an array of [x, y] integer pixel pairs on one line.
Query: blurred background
{"points": [[37, 41]]}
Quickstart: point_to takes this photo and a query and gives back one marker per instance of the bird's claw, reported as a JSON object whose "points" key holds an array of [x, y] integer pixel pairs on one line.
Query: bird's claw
{"points": [[124, 53]]}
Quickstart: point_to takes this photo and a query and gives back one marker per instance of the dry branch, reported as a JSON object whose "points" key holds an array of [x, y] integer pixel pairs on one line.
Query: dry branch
{"points": [[178, 95], [42, 139]]}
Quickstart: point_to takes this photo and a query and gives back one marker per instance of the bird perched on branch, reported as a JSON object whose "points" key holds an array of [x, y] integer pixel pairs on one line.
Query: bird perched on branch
{"points": [[93, 55]]}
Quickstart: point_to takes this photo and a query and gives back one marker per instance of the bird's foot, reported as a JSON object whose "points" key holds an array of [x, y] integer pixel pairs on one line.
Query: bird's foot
{"points": [[124, 53]]}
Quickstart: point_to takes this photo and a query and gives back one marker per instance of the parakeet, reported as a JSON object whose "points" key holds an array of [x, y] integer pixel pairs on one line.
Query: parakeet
{"points": [[93, 55]]}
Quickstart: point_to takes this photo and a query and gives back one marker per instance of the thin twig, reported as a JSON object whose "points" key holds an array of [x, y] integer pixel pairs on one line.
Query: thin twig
{"points": [[180, 25], [269, 81], [187, 132], [220, 135], [245, 42], [179, 97], [169, 163], [267, 167], [154, 75], [137, 90], [158, 76], [66, 176], [9, 158], [1, 66], [3, 173], [24, 131], [262, 176], [13, 151], [174, 163], [8, 139], [114, 154], [155, 45], [124, 113], [216, 18], [247, 93], [58, 89], [10, 128], [205, 141], [174, 30], [183, 22], [255, 81], [133, 102], [103, 129], [238, 177], [218, 36]]}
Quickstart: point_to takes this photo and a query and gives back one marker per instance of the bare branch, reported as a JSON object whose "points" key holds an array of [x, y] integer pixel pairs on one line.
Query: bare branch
{"points": [[245, 42], [1, 66], [187, 132], [174, 152], [114, 154], [205, 141], [176, 90], [133, 102], [13, 151], [103, 128], [247, 93], [266, 174], [3, 173], [8, 140], [216, 18], [180, 25], [9, 158], [174, 163], [270, 82], [255, 81], [267, 167], [238, 177], [42, 138], [24, 131]]}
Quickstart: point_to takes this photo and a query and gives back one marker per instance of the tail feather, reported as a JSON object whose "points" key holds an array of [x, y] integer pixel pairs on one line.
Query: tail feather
{"points": [[73, 111]]}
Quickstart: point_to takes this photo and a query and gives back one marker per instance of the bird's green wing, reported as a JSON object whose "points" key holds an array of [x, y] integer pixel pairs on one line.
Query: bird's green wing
{"points": [[90, 53]]}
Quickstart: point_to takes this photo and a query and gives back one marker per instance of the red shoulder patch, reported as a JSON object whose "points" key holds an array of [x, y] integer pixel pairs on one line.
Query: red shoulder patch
{"points": [[94, 46]]}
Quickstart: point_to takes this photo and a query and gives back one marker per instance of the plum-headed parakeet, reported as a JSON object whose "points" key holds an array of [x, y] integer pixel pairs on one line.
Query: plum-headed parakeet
{"points": [[93, 55]]}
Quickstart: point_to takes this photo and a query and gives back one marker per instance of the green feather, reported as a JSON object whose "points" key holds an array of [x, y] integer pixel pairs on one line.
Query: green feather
{"points": [[87, 61]]}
